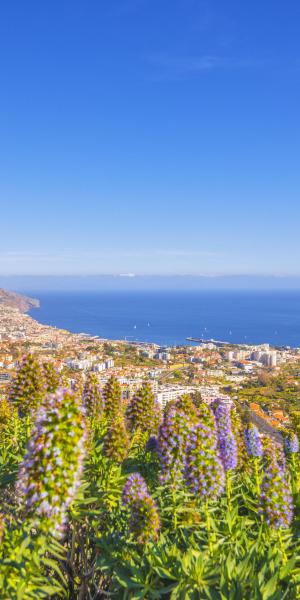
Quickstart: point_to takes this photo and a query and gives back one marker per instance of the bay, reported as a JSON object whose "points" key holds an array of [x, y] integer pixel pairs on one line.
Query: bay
{"points": [[169, 317]]}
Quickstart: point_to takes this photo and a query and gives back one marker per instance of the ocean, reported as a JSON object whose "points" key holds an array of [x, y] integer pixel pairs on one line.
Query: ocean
{"points": [[169, 317]]}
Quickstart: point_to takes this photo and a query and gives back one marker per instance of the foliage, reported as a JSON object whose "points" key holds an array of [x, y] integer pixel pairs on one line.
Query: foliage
{"points": [[208, 509]]}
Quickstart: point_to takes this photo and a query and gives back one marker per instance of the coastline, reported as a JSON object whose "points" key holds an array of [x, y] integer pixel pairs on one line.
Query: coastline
{"points": [[30, 309]]}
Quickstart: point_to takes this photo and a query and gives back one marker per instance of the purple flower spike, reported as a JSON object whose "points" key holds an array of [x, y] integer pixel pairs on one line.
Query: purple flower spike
{"points": [[135, 486], [116, 440], [143, 411], [28, 388], [291, 443], [51, 471], [144, 521], [253, 441], [204, 473], [92, 398], [226, 441], [152, 444], [173, 439], [112, 395], [276, 498]]}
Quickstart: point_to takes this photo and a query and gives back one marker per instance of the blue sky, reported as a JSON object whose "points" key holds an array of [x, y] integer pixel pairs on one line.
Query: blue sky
{"points": [[150, 136]]}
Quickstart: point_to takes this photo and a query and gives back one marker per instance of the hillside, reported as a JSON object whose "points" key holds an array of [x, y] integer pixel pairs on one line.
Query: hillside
{"points": [[22, 303]]}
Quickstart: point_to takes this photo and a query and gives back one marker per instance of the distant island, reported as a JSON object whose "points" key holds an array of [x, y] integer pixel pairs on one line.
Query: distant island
{"points": [[22, 303]]}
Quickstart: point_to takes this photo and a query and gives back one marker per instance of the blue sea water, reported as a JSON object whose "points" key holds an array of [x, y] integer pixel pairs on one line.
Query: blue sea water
{"points": [[168, 318]]}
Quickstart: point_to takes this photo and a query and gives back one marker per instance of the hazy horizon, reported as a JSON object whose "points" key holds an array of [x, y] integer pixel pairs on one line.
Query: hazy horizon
{"points": [[100, 283]]}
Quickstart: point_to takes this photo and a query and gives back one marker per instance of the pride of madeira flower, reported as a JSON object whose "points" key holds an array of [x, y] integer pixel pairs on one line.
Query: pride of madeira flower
{"points": [[50, 472], [173, 438], [52, 377], [116, 441], [253, 441], [291, 443], [92, 398], [226, 440], [29, 386], [143, 411], [112, 398], [204, 471], [276, 504], [144, 520]]}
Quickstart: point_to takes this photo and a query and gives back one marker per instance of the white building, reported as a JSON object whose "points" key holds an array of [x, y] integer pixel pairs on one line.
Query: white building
{"points": [[269, 359], [109, 363], [166, 393], [163, 356], [79, 365], [99, 367]]}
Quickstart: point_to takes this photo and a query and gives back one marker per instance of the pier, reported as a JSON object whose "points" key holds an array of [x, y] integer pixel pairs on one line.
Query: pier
{"points": [[211, 341]]}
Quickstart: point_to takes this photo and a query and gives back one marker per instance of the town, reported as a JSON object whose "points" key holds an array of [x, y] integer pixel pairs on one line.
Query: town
{"points": [[245, 375]]}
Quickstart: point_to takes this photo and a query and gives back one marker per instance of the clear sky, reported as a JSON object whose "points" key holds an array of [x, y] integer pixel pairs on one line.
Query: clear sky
{"points": [[150, 136]]}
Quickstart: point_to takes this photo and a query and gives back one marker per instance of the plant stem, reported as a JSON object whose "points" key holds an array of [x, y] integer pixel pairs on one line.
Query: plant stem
{"points": [[294, 475], [208, 524], [175, 506], [228, 488], [257, 476], [284, 556]]}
